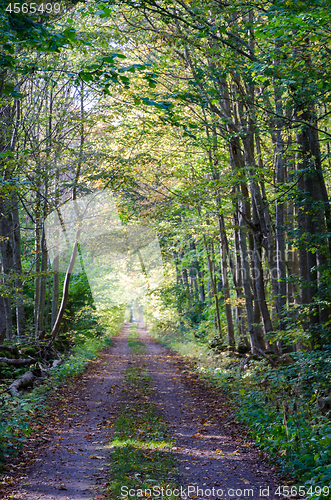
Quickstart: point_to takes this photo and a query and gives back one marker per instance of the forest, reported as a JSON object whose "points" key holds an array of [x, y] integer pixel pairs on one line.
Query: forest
{"points": [[202, 128]]}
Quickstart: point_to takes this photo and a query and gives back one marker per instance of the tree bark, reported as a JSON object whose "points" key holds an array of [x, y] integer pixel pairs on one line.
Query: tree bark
{"points": [[280, 229], [65, 293], [20, 383], [225, 280], [17, 362], [42, 290], [210, 266], [18, 271], [2, 320], [199, 273], [6, 245], [37, 263], [240, 320]]}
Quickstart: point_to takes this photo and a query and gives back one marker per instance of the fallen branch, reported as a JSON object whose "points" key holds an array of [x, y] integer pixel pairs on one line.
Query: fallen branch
{"points": [[17, 362], [271, 361], [20, 383], [56, 363]]}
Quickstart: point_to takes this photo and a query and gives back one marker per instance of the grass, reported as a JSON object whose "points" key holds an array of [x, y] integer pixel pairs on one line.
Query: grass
{"points": [[141, 457], [136, 346]]}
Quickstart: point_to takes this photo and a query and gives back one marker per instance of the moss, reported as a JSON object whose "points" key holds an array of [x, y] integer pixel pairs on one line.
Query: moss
{"points": [[13, 350], [5, 354], [29, 351]]}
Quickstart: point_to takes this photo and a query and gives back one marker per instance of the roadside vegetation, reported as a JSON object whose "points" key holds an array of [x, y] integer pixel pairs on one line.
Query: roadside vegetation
{"points": [[88, 333], [284, 405]]}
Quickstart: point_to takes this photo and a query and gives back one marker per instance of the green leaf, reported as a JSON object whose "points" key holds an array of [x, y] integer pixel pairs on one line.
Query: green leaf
{"points": [[110, 59], [70, 33]]}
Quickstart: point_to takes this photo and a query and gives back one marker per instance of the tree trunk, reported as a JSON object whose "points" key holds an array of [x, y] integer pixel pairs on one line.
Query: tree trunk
{"points": [[225, 280], [65, 293], [17, 362], [210, 266], [25, 381], [7, 144], [314, 223], [42, 290], [55, 291], [2, 320], [199, 274], [258, 221], [240, 320], [18, 272], [37, 263], [7, 258], [280, 229]]}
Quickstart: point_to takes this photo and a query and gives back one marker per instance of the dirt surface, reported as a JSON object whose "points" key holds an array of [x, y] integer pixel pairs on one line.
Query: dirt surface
{"points": [[73, 462], [209, 446]]}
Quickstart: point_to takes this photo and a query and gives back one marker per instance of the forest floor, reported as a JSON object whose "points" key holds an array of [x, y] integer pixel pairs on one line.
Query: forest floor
{"points": [[79, 446]]}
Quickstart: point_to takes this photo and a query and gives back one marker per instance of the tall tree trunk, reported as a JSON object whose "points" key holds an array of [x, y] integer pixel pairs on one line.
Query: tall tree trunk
{"points": [[280, 229], [8, 111], [259, 225], [179, 280], [199, 274], [7, 258], [225, 280], [37, 262], [314, 224], [253, 331], [42, 291], [240, 320], [244, 233], [2, 320], [210, 265], [65, 292], [55, 290], [18, 271]]}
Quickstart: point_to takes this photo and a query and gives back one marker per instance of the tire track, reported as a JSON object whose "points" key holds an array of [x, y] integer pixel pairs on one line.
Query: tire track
{"points": [[211, 454], [75, 462]]}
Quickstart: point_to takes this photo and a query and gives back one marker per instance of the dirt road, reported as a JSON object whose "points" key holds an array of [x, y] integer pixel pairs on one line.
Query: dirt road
{"points": [[73, 463]]}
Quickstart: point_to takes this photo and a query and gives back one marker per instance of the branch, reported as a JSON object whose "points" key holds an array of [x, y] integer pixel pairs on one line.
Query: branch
{"points": [[24, 381], [264, 355], [17, 362]]}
